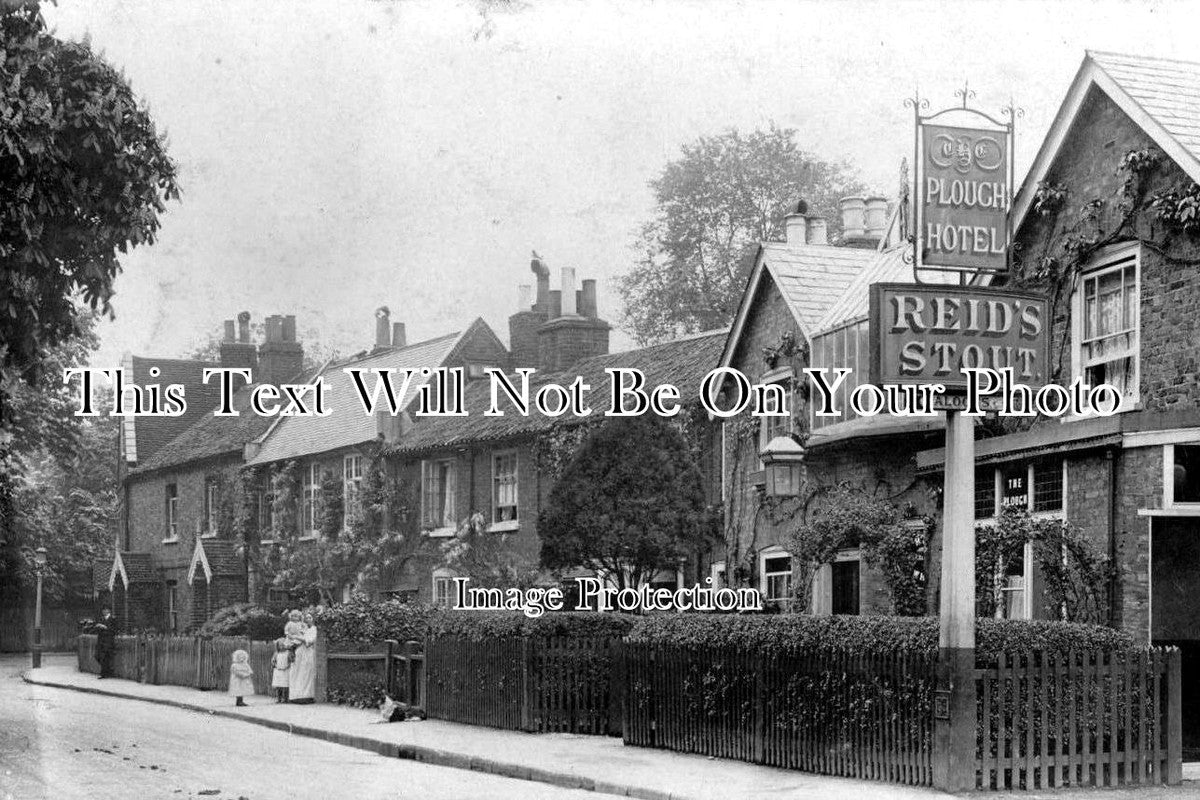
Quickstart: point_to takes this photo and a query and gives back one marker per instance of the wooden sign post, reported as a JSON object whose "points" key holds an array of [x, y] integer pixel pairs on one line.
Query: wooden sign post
{"points": [[926, 335]]}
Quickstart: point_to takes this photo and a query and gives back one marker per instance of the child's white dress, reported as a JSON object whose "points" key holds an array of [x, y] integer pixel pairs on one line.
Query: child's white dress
{"points": [[279, 674], [241, 679]]}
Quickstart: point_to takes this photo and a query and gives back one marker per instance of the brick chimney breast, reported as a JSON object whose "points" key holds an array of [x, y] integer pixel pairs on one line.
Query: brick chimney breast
{"points": [[575, 333], [280, 357]]}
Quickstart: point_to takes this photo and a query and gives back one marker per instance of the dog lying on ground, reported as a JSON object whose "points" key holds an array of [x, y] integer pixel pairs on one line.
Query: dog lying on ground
{"points": [[394, 711]]}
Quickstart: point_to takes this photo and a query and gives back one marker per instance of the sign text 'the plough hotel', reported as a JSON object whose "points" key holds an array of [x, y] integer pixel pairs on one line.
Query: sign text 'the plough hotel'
{"points": [[965, 197]]}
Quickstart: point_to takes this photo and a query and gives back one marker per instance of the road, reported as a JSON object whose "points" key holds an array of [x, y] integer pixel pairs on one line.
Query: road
{"points": [[55, 743]]}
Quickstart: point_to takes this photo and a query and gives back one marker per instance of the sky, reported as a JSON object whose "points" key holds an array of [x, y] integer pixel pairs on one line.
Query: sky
{"points": [[342, 155]]}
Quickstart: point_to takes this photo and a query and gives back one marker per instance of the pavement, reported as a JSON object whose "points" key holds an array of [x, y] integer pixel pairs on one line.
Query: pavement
{"points": [[593, 763], [57, 744]]}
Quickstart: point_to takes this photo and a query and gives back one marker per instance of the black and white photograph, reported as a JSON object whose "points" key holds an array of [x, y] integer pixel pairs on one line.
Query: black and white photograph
{"points": [[560, 399]]}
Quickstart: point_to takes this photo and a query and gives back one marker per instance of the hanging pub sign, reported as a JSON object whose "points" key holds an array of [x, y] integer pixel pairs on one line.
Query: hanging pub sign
{"points": [[963, 188], [926, 334], [964, 197]]}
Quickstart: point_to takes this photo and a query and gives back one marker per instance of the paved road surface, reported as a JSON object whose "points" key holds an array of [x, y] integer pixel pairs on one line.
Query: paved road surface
{"points": [[59, 744]]}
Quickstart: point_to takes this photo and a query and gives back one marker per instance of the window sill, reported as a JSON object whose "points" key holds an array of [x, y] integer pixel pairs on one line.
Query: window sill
{"points": [[210, 535], [439, 533], [171, 541], [266, 541], [504, 527], [308, 537]]}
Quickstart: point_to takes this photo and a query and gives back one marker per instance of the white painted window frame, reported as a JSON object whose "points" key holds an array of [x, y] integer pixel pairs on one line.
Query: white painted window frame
{"points": [[210, 509], [1110, 259], [352, 479], [774, 551], [172, 509], [427, 467], [499, 525]]}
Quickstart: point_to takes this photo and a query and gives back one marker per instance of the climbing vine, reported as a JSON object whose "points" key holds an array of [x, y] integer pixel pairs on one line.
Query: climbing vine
{"points": [[1073, 572]]}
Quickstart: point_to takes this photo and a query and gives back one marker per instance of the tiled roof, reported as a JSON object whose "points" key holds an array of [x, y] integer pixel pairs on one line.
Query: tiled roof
{"points": [[683, 362], [1168, 90], [211, 436], [222, 556], [890, 266], [137, 567], [346, 425], [150, 434], [1161, 96], [813, 277]]}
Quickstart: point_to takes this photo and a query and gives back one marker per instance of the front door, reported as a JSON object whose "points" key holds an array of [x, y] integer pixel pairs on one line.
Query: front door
{"points": [[1175, 610]]}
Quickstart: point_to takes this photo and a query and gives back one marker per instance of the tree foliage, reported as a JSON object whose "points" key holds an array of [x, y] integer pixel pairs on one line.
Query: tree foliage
{"points": [[722, 196], [86, 176], [630, 503], [57, 476]]}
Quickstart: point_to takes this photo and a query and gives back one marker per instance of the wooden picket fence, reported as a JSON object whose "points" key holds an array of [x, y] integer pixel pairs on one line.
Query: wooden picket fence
{"points": [[1049, 720], [544, 684], [828, 712], [199, 662]]}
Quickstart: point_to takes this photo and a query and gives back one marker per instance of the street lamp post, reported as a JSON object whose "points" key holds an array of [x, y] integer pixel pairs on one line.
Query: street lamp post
{"points": [[39, 561]]}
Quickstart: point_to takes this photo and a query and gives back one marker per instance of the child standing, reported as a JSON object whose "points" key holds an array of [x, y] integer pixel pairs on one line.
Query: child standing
{"points": [[241, 676], [279, 673]]}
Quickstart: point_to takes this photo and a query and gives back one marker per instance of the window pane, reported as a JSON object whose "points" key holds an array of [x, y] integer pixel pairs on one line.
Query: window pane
{"points": [[985, 493], [1048, 485], [778, 564], [1187, 473]]}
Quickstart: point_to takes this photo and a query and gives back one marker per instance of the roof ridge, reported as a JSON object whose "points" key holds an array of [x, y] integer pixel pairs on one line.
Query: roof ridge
{"points": [[1090, 53], [373, 353]]}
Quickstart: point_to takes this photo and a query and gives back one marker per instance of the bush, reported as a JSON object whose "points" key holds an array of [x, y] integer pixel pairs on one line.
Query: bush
{"points": [[355, 683], [871, 634], [366, 622], [244, 619]]}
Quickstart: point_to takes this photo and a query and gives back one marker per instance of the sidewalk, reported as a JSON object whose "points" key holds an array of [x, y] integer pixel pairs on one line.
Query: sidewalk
{"points": [[596, 763]]}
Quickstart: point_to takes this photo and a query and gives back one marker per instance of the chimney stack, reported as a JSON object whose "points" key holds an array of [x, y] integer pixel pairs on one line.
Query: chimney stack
{"points": [[239, 354], [383, 327], [399, 336], [795, 229], [853, 217], [280, 356]]}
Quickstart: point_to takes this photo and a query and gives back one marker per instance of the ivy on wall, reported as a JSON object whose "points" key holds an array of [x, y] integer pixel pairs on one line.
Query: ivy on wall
{"points": [[1073, 572]]}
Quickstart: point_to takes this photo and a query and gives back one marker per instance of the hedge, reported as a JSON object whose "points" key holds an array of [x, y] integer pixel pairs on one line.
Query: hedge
{"points": [[363, 623], [870, 634]]}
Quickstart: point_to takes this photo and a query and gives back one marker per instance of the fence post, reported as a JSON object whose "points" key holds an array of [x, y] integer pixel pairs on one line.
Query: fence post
{"points": [[1174, 718], [389, 668], [416, 693], [321, 667], [526, 716]]}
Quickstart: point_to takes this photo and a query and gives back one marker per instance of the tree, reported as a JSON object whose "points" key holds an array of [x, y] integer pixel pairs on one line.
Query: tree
{"points": [[724, 194], [631, 502], [86, 177], [57, 475]]}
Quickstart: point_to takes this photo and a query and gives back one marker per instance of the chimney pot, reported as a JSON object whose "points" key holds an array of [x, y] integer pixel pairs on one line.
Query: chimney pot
{"points": [[399, 336], [230, 331], [244, 327], [587, 299], [853, 217], [383, 327], [875, 217], [818, 230], [539, 268], [568, 292], [289, 328], [795, 231]]}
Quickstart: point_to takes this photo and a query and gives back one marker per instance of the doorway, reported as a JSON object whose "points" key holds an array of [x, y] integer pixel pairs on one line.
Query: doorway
{"points": [[1175, 611]]}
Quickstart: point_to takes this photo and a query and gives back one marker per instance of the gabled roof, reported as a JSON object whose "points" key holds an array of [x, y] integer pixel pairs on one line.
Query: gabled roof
{"points": [[683, 362], [144, 436], [1161, 96], [891, 266], [214, 557], [211, 436], [131, 568], [810, 278], [346, 425]]}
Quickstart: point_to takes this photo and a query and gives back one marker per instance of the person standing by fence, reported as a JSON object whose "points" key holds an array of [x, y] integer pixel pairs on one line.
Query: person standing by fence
{"points": [[281, 663], [241, 677], [303, 678], [106, 642]]}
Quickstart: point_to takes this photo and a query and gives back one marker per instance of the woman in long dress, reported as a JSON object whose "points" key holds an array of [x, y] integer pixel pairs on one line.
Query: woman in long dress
{"points": [[302, 680]]}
